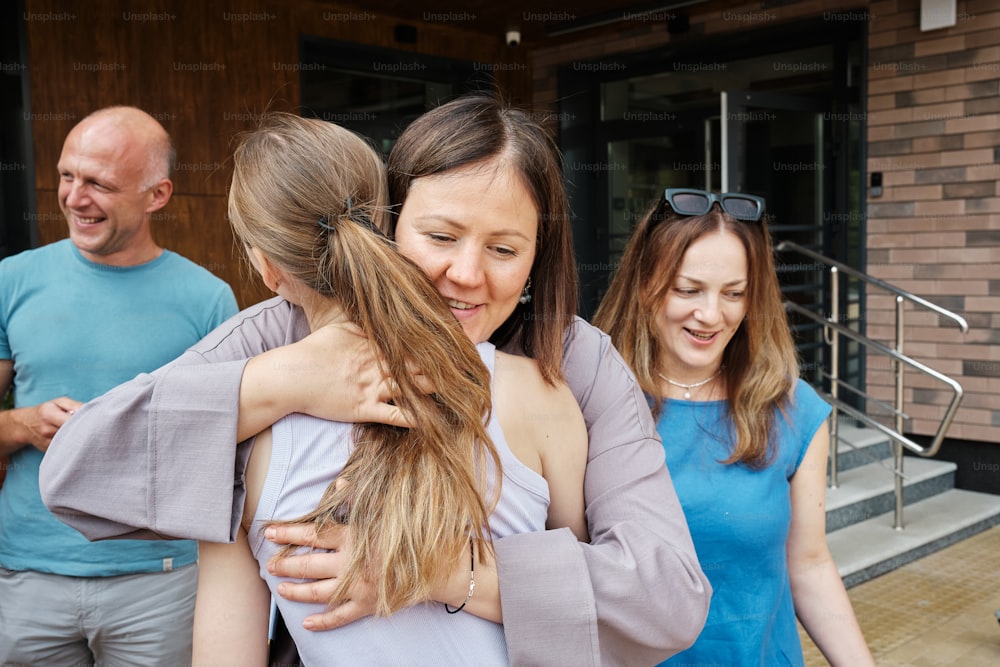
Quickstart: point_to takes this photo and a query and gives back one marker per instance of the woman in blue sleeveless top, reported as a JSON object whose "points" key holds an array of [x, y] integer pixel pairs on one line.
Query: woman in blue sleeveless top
{"points": [[695, 308]]}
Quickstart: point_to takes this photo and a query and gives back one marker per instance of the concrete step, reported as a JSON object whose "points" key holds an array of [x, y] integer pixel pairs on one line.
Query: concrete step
{"points": [[872, 547], [858, 446], [869, 490]]}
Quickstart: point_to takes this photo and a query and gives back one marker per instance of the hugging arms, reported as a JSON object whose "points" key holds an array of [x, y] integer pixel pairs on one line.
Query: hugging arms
{"points": [[635, 590], [481, 209]]}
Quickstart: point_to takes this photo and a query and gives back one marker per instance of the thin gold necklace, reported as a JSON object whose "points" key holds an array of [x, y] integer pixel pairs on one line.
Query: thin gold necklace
{"points": [[688, 387]]}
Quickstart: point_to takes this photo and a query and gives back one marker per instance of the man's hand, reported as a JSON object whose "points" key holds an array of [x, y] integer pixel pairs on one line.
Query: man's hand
{"points": [[36, 425]]}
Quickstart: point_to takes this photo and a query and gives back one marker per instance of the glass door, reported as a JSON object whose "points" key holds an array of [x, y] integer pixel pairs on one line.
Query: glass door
{"points": [[775, 146], [376, 91], [646, 166]]}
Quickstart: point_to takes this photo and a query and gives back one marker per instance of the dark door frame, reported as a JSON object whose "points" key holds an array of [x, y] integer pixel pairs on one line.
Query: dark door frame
{"points": [[18, 203]]}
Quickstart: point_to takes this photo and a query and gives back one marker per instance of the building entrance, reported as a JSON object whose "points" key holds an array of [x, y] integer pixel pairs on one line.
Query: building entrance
{"points": [[785, 125]]}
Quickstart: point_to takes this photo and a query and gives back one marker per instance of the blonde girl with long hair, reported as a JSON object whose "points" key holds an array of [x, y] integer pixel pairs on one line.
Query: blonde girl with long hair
{"points": [[306, 201]]}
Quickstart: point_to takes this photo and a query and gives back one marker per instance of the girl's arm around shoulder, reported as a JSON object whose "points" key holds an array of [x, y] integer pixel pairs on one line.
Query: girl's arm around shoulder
{"points": [[545, 430], [821, 601]]}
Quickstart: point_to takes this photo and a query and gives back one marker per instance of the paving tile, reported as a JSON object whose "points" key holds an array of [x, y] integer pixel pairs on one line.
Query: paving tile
{"points": [[934, 612]]}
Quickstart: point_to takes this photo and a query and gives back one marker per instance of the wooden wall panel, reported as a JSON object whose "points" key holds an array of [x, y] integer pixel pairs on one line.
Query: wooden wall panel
{"points": [[197, 227], [51, 223], [206, 71]]}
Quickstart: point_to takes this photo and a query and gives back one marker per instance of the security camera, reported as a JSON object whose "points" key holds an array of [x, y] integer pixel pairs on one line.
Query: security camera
{"points": [[513, 38]]}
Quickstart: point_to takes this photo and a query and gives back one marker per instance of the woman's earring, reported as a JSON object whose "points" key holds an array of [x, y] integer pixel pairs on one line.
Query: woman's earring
{"points": [[525, 293]]}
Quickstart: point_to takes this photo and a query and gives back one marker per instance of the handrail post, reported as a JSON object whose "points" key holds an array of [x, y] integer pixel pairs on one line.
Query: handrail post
{"points": [[834, 342], [832, 329], [898, 405]]}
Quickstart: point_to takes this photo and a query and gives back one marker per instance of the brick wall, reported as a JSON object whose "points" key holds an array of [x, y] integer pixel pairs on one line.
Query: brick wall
{"points": [[934, 133]]}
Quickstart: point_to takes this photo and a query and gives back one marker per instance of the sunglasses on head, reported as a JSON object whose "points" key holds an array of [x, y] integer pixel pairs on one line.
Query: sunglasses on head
{"points": [[699, 202]]}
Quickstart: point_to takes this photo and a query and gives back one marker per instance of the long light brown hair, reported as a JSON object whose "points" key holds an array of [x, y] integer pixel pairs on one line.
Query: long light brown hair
{"points": [[759, 363], [473, 130], [414, 497]]}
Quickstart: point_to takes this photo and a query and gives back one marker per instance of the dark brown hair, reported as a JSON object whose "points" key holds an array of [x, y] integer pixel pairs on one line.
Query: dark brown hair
{"points": [[474, 130]]}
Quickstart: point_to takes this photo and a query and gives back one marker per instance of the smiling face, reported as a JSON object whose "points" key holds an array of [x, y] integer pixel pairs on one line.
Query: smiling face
{"points": [[103, 195], [703, 308], [473, 232]]}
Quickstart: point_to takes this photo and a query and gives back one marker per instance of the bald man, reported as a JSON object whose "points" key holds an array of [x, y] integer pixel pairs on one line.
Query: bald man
{"points": [[78, 317]]}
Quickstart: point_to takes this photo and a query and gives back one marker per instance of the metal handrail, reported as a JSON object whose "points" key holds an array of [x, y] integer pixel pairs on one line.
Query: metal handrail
{"points": [[898, 291], [953, 405], [832, 330], [868, 397]]}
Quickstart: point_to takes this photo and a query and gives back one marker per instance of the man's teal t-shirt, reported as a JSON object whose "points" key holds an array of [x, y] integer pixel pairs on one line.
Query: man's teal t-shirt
{"points": [[75, 328]]}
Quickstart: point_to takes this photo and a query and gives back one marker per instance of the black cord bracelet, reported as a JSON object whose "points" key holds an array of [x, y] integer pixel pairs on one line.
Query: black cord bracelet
{"points": [[472, 581]]}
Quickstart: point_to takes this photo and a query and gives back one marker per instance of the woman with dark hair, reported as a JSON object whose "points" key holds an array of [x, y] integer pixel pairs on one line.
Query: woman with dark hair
{"points": [[633, 595], [695, 308]]}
